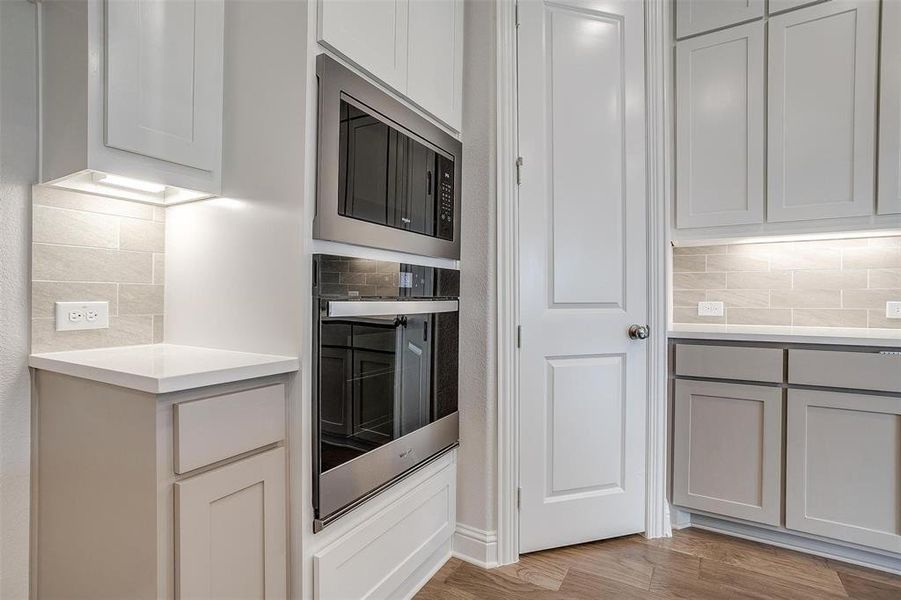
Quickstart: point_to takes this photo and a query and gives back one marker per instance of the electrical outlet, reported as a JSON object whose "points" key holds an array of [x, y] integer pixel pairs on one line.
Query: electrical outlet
{"points": [[893, 310], [74, 316], [710, 309]]}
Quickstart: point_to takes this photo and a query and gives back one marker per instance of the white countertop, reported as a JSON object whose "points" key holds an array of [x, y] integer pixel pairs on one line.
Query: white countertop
{"points": [[884, 338], [162, 368]]}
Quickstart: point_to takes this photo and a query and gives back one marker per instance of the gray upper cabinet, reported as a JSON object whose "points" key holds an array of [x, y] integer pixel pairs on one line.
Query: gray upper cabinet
{"points": [[843, 467], [720, 128], [821, 127], [727, 455], [889, 201], [698, 16]]}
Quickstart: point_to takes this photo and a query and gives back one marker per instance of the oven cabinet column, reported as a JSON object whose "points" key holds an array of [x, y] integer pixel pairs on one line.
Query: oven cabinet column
{"points": [[147, 496]]}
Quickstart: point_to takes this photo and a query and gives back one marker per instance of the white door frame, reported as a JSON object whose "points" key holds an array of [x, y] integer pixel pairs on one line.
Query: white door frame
{"points": [[657, 52]]}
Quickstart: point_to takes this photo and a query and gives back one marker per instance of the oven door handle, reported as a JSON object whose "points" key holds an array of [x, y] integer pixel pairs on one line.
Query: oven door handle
{"points": [[377, 308]]}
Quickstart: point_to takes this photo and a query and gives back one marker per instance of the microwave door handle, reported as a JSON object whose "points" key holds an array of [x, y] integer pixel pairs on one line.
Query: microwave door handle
{"points": [[379, 308]]}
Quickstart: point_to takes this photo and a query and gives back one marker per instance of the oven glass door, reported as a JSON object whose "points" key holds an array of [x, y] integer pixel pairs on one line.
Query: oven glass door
{"points": [[386, 369], [389, 178]]}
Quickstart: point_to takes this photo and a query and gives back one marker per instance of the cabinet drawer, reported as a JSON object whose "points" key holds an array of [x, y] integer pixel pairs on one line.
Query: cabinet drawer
{"points": [[213, 429], [729, 362], [850, 370]]}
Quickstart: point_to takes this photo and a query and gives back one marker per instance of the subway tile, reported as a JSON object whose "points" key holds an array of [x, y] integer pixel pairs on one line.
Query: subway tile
{"points": [[798, 256], [885, 278], [806, 298], [44, 295], [762, 250], [123, 331], [690, 315], [145, 236], [688, 250], [159, 269], [828, 317], [48, 196], [830, 280], [872, 299], [871, 258], [689, 263], [737, 262], [740, 298], [774, 280], [352, 278], [158, 329], [159, 214], [380, 279], [72, 263], [834, 244], [74, 227], [363, 265], [688, 298], [877, 320], [699, 281], [758, 316], [138, 299], [885, 242]]}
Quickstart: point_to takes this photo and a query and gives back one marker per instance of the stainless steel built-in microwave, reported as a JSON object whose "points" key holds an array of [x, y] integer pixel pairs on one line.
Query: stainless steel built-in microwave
{"points": [[388, 178]]}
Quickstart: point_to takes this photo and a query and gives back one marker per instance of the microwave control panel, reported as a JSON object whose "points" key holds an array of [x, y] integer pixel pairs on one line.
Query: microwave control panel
{"points": [[445, 198]]}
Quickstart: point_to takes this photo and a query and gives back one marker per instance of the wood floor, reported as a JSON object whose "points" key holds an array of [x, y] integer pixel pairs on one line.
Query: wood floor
{"points": [[693, 564]]}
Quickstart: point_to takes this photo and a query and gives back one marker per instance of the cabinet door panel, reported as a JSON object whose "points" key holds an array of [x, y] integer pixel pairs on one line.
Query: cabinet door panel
{"points": [[822, 111], [890, 111], [164, 79], [371, 33], [719, 128], [776, 6], [231, 531], [843, 467], [698, 16], [435, 58], [727, 451]]}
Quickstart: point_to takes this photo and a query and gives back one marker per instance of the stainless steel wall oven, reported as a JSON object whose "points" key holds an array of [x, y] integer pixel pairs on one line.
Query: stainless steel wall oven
{"points": [[387, 177], [385, 356]]}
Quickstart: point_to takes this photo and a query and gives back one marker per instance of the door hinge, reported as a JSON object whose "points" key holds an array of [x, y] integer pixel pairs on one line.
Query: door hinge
{"points": [[516, 14], [519, 497], [519, 336], [519, 163]]}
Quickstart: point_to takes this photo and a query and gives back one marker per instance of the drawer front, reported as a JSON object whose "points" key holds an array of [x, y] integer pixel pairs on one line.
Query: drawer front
{"points": [[730, 362], [213, 429], [849, 370]]}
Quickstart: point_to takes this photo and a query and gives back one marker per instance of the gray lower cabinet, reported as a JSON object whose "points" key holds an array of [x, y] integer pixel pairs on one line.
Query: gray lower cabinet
{"points": [[727, 454], [843, 467]]}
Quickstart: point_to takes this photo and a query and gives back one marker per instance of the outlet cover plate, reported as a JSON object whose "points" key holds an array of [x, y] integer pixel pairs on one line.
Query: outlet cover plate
{"points": [[78, 316], [710, 309], [893, 310]]}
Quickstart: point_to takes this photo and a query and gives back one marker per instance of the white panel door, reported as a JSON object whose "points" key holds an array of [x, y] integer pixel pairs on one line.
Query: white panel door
{"points": [[719, 128], [889, 200], [435, 58], [164, 79], [822, 111], [583, 265], [698, 16], [231, 531], [371, 33]]}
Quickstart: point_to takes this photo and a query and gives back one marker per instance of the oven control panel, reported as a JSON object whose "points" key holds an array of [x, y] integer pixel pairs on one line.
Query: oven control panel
{"points": [[445, 198]]}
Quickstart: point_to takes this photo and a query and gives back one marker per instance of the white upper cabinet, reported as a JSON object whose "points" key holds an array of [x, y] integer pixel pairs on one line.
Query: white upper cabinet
{"points": [[822, 111], [889, 201], [133, 88], [413, 46], [370, 33], [775, 6], [435, 58], [698, 16], [164, 79], [720, 128]]}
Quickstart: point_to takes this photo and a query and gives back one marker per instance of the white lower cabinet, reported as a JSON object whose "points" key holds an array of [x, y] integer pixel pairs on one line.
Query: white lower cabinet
{"points": [[843, 467], [231, 531], [727, 455]]}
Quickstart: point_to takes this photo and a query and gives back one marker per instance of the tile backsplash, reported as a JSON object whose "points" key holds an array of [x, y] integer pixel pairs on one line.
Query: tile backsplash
{"points": [[823, 283], [93, 248]]}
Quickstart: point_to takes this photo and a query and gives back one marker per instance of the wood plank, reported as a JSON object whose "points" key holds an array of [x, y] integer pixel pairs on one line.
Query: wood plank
{"points": [[760, 585]]}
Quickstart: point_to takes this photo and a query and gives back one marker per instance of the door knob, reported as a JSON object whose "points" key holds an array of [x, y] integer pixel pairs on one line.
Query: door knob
{"points": [[639, 332]]}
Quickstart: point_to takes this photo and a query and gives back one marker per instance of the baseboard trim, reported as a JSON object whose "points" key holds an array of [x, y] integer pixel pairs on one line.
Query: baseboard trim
{"points": [[791, 541], [425, 572], [476, 546]]}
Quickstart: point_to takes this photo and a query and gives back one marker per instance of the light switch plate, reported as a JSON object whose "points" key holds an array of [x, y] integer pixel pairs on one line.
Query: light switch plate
{"points": [[710, 309], [77, 316], [893, 310]]}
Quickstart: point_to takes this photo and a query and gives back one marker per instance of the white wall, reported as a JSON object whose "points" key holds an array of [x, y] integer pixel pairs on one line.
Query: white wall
{"points": [[476, 492], [18, 171]]}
